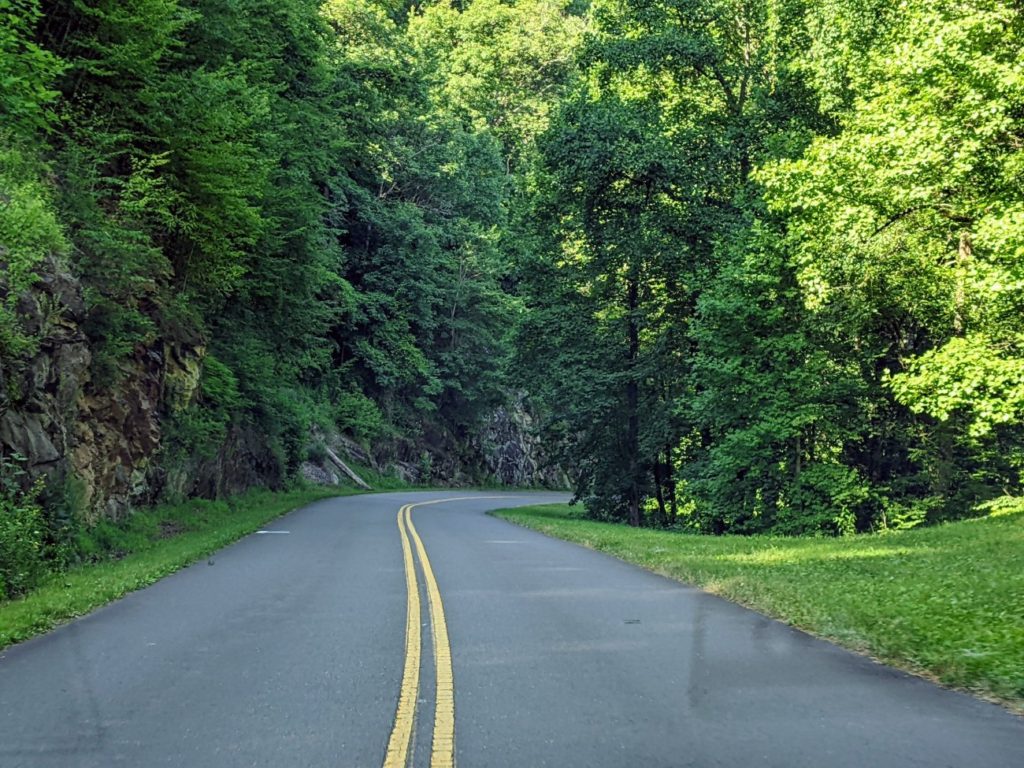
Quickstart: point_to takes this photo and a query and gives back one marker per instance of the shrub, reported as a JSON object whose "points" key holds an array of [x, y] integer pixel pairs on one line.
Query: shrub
{"points": [[823, 501], [358, 415], [22, 531], [316, 452]]}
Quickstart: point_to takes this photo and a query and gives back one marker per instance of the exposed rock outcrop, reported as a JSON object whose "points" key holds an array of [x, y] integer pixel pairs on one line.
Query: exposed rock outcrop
{"points": [[40, 393], [243, 461], [104, 438], [513, 452], [505, 450]]}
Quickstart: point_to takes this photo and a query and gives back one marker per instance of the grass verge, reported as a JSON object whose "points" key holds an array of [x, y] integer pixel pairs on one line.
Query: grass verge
{"points": [[944, 602], [152, 544]]}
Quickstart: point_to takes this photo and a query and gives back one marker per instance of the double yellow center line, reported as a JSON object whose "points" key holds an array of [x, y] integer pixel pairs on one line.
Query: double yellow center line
{"points": [[443, 749]]}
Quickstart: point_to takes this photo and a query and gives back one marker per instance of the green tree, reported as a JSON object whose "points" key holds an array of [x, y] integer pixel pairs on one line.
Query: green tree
{"points": [[905, 228]]}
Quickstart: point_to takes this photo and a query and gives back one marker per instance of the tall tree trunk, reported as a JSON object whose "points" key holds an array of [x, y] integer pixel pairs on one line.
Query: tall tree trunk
{"points": [[659, 479], [670, 485], [633, 394]]}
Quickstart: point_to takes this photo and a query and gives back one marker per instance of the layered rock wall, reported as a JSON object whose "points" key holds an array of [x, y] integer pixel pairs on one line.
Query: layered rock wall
{"points": [[100, 441], [505, 450]]}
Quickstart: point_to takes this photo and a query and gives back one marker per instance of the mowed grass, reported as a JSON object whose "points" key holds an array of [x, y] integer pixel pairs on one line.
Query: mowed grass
{"points": [[946, 602], [151, 545]]}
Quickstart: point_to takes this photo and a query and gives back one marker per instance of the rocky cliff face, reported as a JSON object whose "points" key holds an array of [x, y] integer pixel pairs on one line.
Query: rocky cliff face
{"points": [[39, 394], [103, 440], [513, 453], [506, 450]]}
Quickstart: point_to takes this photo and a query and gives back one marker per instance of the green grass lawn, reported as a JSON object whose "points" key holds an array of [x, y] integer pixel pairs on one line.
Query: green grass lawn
{"points": [[152, 544], [946, 602]]}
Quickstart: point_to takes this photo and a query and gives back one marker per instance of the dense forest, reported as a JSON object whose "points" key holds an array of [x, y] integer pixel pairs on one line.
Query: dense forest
{"points": [[750, 265]]}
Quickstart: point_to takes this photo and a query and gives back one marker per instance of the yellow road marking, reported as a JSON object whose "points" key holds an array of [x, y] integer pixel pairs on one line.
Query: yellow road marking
{"points": [[405, 715], [443, 750], [443, 747]]}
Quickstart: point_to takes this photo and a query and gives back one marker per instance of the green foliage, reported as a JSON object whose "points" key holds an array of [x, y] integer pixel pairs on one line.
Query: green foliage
{"points": [[757, 266], [646, 176], [21, 547], [904, 237], [22, 532], [359, 415], [29, 232], [316, 452], [1003, 505], [500, 64], [823, 500], [426, 194], [27, 71], [218, 386], [775, 407], [199, 430], [969, 377], [196, 432], [807, 217]]}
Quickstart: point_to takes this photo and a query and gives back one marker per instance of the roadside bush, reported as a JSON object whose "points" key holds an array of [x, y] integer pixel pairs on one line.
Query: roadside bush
{"points": [[822, 502], [22, 531], [358, 415]]}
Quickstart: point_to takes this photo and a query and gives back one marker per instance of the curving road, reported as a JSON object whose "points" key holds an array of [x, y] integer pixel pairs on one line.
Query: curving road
{"points": [[374, 634]]}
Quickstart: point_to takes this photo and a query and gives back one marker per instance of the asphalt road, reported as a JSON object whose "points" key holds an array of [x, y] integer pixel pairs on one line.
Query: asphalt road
{"points": [[291, 650]]}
